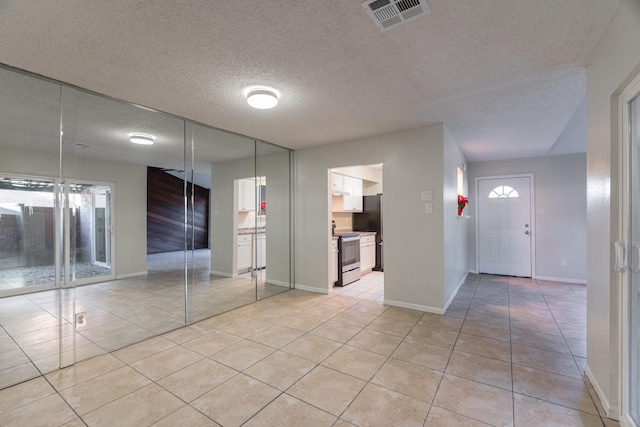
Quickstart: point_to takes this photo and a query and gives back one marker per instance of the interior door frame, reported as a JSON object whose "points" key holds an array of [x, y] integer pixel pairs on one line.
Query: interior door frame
{"points": [[111, 233], [631, 92], [532, 200]]}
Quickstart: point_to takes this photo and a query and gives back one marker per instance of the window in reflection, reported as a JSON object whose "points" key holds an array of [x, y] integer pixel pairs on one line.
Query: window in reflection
{"points": [[27, 246]]}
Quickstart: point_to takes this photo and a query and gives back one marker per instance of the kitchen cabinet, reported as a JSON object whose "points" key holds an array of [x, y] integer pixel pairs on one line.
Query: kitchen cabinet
{"points": [[260, 256], [337, 183], [367, 252], [248, 257], [347, 193], [353, 200], [246, 195], [333, 273], [244, 252]]}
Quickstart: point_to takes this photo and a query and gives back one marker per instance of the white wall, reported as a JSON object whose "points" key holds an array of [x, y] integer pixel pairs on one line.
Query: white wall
{"points": [[613, 63], [456, 230], [130, 197], [559, 189], [414, 241]]}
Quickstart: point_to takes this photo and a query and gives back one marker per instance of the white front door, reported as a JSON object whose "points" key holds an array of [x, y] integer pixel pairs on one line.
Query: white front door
{"points": [[504, 225]]}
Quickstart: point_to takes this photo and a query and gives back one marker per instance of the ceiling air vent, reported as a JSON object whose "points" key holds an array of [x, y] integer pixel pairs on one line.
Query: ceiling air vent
{"points": [[389, 13]]}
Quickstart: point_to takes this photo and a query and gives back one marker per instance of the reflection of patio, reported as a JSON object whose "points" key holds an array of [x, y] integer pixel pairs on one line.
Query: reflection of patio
{"points": [[19, 277], [119, 313]]}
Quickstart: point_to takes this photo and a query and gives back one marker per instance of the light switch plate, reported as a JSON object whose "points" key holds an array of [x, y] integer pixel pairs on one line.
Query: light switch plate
{"points": [[428, 208], [427, 195]]}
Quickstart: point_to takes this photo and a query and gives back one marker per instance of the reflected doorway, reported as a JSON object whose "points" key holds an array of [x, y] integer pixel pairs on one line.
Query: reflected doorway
{"points": [[30, 245], [357, 209]]}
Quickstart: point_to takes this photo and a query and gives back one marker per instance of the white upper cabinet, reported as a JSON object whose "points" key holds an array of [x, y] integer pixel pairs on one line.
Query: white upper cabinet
{"points": [[337, 183], [246, 195], [353, 201]]}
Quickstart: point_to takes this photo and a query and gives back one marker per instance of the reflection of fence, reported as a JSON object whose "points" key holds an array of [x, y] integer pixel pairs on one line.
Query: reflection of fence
{"points": [[27, 238]]}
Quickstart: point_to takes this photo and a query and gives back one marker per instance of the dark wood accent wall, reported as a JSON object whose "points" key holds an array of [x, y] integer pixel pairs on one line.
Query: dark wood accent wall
{"points": [[165, 213]]}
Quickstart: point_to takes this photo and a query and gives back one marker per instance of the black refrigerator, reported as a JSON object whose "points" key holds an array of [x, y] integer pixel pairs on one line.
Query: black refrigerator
{"points": [[371, 220]]}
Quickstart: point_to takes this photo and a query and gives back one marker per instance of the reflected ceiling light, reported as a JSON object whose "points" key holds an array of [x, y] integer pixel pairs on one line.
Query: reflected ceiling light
{"points": [[262, 99], [141, 138]]}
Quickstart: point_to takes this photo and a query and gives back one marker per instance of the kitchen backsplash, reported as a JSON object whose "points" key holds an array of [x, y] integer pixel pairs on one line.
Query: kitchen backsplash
{"points": [[344, 220], [248, 219]]}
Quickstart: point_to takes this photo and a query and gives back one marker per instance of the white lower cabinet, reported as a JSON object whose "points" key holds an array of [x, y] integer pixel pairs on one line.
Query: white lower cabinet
{"points": [[244, 252], [260, 260], [248, 257], [367, 252], [334, 261]]}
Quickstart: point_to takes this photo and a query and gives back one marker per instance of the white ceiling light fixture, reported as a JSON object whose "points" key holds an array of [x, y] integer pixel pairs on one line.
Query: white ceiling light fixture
{"points": [[142, 138], [262, 99]]}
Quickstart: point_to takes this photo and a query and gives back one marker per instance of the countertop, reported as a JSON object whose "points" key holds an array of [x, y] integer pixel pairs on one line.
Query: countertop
{"points": [[361, 233], [251, 230]]}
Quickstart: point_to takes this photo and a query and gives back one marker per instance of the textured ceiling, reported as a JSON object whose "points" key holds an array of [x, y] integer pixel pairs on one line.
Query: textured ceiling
{"points": [[506, 76]]}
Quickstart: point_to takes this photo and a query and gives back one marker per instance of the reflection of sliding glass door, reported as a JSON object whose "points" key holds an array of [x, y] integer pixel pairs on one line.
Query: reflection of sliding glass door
{"points": [[90, 242], [101, 242], [28, 237]]}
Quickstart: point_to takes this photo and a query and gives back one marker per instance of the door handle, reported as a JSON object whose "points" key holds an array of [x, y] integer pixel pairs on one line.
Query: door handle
{"points": [[621, 263], [635, 257], [526, 232]]}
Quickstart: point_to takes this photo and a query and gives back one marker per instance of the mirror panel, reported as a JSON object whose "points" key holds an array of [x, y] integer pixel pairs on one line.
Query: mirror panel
{"points": [[29, 170], [124, 242], [273, 220]]}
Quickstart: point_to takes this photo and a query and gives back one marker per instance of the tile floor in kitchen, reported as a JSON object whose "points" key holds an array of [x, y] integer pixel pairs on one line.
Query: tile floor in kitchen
{"points": [[509, 351]]}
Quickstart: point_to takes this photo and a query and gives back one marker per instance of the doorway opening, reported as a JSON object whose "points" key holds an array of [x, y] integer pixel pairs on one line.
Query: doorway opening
{"points": [[356, 265]]}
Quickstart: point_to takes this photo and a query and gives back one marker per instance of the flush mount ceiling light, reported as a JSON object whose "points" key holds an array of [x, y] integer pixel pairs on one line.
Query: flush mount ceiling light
{"points": [[262, 99], [141, 138]]}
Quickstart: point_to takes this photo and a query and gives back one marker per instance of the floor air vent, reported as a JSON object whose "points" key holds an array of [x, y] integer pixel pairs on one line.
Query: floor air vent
{"points": [[387, 14]]}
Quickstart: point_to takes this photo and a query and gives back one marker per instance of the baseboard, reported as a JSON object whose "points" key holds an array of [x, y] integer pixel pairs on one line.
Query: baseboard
{"points": [[612, 412], [222, 273], [561, 279], [453, 295], [126, 276], [418, 307], [277, 283], [310, 289]]}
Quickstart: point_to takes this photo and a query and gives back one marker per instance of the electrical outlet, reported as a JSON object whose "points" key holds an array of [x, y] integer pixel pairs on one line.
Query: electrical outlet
{"points": [[81, 319], [563, 262]]}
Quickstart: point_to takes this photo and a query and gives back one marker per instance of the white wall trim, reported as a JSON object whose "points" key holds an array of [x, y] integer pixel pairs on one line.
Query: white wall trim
{"points": [[127, 275], [453, 295], [612, 412], [278, 283], [418, 307], [222, 273], [562, 279], [311, 289]]}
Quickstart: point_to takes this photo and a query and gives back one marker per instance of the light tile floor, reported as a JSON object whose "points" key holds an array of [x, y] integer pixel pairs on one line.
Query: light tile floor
{"points": [[370, 286], [119, 313], [508, 352]]}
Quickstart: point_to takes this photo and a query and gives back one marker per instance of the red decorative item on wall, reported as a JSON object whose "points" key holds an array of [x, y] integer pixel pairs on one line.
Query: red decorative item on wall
{"points": [[462, 202]]}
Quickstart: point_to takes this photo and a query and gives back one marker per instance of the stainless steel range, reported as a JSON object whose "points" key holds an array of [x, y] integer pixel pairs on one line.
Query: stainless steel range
{"points": [[349, 258]]}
